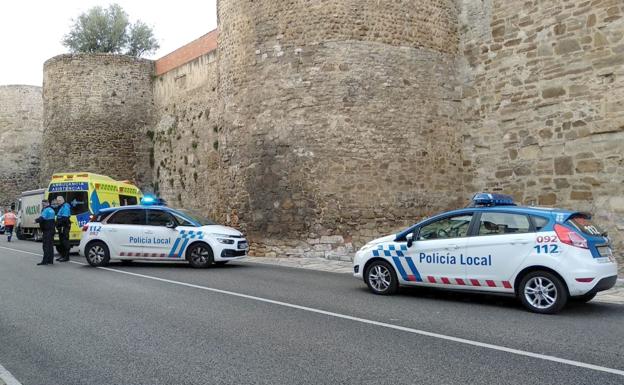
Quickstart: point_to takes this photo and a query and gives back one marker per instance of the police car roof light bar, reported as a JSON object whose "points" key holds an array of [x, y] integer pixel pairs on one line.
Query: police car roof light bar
{"points": [[487, 199]]}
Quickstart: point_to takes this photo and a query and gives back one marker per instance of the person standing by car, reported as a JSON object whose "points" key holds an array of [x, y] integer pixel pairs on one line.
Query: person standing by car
{"points": [[46, 222], [9, 223], [63, 226]]}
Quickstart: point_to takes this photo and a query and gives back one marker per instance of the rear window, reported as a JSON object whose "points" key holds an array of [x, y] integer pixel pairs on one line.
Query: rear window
{"points": [[585, 225], [78, 200]]}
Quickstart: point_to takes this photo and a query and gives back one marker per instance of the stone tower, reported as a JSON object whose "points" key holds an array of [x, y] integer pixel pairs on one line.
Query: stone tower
{"points": [[20, 140], [338, 117], [96, 108]]}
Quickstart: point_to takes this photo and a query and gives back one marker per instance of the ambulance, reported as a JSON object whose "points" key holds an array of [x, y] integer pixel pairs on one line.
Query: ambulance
{"points": [[88, 193]]}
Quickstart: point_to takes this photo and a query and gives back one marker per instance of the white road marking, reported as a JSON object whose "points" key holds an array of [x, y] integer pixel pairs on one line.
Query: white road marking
{"points": [[7, 377], [367, 321]]}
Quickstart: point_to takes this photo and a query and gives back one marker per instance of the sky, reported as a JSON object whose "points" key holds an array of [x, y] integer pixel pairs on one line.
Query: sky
{"points": [[31, 31]]}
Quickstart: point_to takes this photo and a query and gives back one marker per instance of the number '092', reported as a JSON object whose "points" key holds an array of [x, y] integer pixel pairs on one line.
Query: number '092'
{"points": [[546, 238]]}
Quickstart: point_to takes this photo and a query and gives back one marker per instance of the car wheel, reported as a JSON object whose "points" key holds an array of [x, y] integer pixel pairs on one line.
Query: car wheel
{"points": [[19, 234], [221, 263], [199, 255], [584, 298], [542, 292], [97, 254], [381, 278]]}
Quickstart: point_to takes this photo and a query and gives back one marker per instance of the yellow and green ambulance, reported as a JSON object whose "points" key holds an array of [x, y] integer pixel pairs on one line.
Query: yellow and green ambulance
{"points": [[87, 193]]}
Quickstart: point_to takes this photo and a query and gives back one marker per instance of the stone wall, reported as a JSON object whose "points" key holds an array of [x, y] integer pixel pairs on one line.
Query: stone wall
{"points": [[186, 142], [97, 109], [338, 119], [21, 109], [544, 103]]}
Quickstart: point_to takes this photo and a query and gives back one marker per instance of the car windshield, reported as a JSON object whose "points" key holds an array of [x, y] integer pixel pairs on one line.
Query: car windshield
{"points": [[196, 217]]}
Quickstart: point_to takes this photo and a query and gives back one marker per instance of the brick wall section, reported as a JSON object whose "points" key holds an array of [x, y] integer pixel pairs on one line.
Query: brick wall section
{"points": [[544, 104], [185, 138], [21, 127], [187, 53]]}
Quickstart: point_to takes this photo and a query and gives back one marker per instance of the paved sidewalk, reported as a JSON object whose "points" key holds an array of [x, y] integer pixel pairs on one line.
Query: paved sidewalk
{"points": [[615, 295]]}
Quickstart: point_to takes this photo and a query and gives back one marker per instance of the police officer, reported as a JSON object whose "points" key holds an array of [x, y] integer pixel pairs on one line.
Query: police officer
{"points": [[46, 223], [63, 226]]}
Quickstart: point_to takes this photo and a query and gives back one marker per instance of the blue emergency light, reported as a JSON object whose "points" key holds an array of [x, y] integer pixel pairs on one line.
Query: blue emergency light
{"points": [[150, 200], [487, 199]]}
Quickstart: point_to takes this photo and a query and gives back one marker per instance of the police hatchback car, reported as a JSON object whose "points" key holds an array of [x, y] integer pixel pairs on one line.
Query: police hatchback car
{"points": [[542, 256], [158, 233]]}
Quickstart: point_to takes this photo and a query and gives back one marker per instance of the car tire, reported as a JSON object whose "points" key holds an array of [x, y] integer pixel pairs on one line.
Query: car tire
{"points": [[543, 292], [381, 278], [97, 254], [199, 255], [221, 263], [584, 298], [19, 234]]}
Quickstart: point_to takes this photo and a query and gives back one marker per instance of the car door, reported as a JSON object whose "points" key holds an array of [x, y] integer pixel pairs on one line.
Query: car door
{"points": [[125, 232], [434, 257], [161, 238], [501, 243]]}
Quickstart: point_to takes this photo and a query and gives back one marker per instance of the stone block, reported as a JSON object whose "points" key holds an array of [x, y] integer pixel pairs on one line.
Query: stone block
{"points": [[563, 165]]}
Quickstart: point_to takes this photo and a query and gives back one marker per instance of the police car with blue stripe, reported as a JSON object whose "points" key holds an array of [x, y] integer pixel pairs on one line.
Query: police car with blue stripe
{"points": [[159, 233], [543, 256]]}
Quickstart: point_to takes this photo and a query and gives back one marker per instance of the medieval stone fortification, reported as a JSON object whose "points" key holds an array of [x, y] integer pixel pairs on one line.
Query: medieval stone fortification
{"points": [[20, 140], [315, 126]]}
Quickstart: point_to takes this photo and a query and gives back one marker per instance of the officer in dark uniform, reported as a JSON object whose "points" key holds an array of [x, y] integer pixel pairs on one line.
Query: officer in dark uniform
{"points": [[46, 223], [63, 226]]}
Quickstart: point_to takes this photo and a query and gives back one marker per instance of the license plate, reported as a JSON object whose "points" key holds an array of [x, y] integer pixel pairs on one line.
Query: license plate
{"points": [[242, 245]]}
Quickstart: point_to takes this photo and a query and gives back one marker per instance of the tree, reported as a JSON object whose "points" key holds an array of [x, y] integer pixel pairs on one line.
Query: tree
{"points": [[109, 30]]}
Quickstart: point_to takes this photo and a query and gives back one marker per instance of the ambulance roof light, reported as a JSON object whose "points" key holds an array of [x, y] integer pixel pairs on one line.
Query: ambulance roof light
{"points": [[487, 199]]}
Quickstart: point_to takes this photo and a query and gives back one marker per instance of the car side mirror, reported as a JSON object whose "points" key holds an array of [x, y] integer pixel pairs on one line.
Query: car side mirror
{"points": [[410, 239], [171, 225]]}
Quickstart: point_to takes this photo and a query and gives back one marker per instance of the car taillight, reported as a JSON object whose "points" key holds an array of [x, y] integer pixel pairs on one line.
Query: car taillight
{"points": [[85, 227], [570, 237]]}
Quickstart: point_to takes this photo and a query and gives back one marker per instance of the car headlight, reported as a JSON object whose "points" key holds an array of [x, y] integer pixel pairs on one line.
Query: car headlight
{"points": [[225, 241]]}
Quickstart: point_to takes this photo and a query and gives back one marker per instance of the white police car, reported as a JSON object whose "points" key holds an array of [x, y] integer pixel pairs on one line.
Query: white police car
{"points": [[542, 256], [159, 233]]}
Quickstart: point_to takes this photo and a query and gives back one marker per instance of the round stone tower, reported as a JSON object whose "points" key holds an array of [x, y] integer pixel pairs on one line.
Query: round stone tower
{"points": [[96, 110], [338, 117], [21, 110]]}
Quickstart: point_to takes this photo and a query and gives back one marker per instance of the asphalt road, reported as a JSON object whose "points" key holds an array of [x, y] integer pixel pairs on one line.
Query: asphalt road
{"points": [[171, 324]]}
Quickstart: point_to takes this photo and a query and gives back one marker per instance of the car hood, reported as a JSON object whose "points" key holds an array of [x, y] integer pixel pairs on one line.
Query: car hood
{"points": [[387, 238], [218, 229]]}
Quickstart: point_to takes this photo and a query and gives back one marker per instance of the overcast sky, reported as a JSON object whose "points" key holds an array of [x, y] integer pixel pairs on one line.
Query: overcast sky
{"points": [[31, 31]]}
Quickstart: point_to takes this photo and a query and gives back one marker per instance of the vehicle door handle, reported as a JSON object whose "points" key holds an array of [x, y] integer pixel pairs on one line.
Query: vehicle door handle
{"points": [[149, 232], [452, 247], [112, 230], [519, 241]]}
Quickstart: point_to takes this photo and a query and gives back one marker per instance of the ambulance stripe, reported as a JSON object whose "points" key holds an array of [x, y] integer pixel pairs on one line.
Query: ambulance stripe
{"points": [[173, 249], [411, 265], [460, 281], [446, 281], [431, 279], [506, 284], [475, 282], [399, 266], [490, 283]]}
